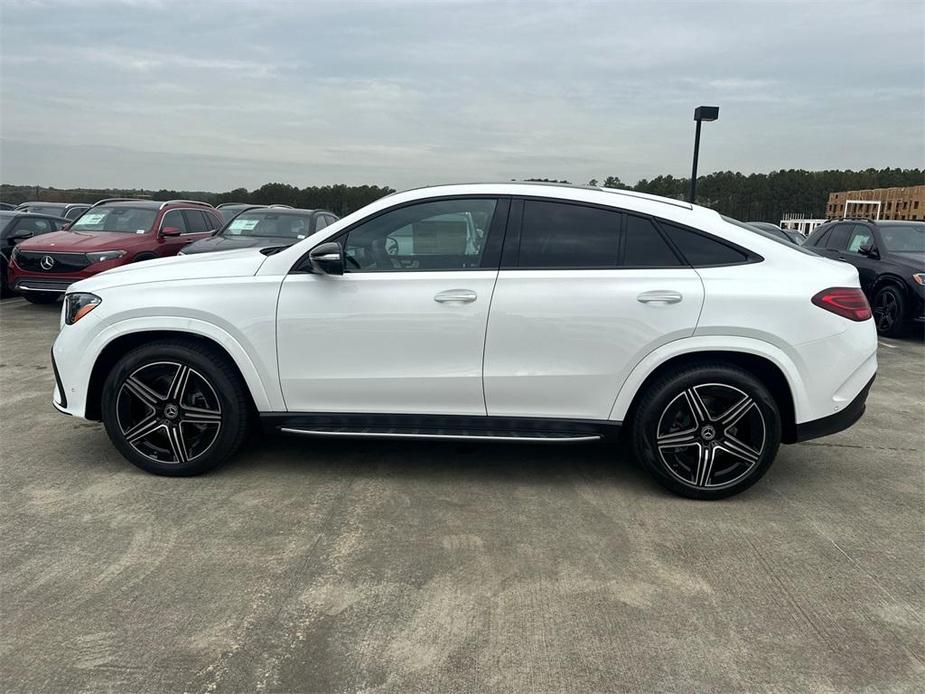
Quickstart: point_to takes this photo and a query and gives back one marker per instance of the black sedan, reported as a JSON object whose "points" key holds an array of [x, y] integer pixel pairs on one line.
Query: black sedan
{"points": [[19, 226], [262, 227], [890, 258]]}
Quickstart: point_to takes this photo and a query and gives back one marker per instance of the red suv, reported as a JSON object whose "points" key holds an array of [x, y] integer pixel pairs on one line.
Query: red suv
{"points": [[111, 233]]}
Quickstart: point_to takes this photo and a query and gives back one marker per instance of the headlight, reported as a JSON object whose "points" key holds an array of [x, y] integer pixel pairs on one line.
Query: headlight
{"points": [[78, 305], [15, 255], [918, 278], [104, 255]]}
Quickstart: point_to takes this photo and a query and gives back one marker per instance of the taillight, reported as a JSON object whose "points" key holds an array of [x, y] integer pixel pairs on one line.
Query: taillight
{"points": [[847, 302]]}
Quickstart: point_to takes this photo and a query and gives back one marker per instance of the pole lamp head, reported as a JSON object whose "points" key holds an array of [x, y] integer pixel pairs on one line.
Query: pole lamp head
{"points": [[706, 113]]}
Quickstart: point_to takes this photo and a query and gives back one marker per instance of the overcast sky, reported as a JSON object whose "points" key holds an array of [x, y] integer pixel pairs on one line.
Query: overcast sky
{"points": [[212, 96]]}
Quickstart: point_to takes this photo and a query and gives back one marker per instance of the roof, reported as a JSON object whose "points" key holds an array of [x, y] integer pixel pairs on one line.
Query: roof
{"points": [[499, 188]]}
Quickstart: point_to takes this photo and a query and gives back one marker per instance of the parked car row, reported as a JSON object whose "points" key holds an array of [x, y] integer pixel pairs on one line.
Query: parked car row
{"points": [[44, 253]]}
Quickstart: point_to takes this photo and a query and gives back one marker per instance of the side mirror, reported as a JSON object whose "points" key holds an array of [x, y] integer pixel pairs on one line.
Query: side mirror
{"points": [[170, 231], [327, 258], [21, 235], [869, 250]]}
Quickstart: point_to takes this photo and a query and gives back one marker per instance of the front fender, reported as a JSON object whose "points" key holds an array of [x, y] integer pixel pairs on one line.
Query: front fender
{"points": [[77, 361]]}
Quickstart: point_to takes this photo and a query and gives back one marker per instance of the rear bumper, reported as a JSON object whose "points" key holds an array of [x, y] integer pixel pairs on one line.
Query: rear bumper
{"points": [[839, 421]]}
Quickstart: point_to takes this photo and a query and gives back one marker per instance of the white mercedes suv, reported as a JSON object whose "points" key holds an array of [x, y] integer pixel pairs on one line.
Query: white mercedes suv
{"points": [[504, 312]]}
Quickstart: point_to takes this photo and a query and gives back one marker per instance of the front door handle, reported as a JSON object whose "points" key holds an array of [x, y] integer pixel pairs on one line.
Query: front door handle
{"points": [[462, 296], [660, 296]]}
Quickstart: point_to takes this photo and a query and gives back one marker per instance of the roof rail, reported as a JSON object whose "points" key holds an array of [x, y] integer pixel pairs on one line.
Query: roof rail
{"points": [[184, 202], [105, 200], [281, 205], [229, 204], [853, 219]]}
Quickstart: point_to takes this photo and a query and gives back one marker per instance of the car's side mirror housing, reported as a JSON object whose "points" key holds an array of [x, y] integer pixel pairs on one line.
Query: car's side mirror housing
{"points": [[327, 258], [170, 231], [21, 235], [869, 250]]}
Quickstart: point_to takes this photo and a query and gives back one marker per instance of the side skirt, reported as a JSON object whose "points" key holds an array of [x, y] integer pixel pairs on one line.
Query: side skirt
{"points": [[446, 427]]}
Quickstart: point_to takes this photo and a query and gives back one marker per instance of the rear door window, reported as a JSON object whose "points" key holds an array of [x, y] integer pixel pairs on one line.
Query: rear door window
{"points": [[837, 240], [558, 235], [644, 245]]}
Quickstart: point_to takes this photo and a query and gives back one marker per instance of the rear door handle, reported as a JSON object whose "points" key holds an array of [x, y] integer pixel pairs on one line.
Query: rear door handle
{"points": [[660, 296], [462, 296]]}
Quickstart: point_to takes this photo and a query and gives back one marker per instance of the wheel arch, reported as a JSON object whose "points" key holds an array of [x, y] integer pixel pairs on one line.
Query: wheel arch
{"points": [[889, 279], [766, 369], [120, 345]]}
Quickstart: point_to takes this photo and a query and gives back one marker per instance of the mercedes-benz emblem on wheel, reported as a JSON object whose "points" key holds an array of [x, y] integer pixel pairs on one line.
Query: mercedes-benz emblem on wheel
{"points": [[47, 262]]}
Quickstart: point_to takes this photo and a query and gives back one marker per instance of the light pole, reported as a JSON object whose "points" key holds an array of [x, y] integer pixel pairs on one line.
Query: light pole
{"points": [[701, 113]]}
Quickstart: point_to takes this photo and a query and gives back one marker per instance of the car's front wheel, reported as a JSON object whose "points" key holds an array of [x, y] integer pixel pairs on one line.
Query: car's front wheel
{"points": [[175, 407], [707, 431], [889, 311]]}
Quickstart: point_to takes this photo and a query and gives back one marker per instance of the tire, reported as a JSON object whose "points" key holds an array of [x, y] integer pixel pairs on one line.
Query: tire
{"points": [[5, 290], [889, 309], [706, 431], [41, 297], [176, 426]]}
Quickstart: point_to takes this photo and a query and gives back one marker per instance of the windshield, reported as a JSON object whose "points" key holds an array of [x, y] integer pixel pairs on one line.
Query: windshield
{"points": [[903, 238], [266, 223], [782, 240], [127, 220], [54, 210]]}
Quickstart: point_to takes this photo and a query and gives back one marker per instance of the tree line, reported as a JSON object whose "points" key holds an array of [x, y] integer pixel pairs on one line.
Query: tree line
{"points": [[757, 196]]}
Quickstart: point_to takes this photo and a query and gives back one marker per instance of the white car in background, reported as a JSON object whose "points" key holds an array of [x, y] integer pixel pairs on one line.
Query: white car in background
{"points": [[515, 312]]}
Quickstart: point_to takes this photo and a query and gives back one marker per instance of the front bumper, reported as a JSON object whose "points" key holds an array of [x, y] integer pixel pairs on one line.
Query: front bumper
{"points": [[28, 284], [839, 421]]}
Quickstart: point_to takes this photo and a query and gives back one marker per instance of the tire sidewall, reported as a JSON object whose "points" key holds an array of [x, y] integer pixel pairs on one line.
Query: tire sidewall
{"points": [[661, 393], [232, 417], [898, 325]]}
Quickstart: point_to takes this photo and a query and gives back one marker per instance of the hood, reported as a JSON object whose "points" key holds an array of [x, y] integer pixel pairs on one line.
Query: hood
{"points": [[914, 260], [242, 263], [227, 243], [79, 241]]}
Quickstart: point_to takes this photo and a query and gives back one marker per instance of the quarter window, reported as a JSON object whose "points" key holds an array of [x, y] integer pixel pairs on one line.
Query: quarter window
{"points": [[700, 250], [559, 235], [437, 235]]}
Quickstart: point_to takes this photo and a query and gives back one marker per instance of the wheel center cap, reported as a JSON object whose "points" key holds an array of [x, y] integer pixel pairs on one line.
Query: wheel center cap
{"points": [[171, 411], [708, 433]]}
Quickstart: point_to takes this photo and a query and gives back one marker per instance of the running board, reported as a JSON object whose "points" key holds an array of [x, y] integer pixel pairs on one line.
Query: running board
{"points": [[442, 434]]}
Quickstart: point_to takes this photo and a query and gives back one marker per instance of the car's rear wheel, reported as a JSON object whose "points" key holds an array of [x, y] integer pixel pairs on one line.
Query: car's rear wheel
{"points": [[41, 297], [707, 431], [889, 310], [175, 408]]}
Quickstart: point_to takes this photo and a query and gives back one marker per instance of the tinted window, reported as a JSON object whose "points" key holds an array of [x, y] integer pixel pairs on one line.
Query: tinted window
{"points": [[321, 221], [903, 238], [175, 219], [130, 220], [36, 225], [559, 235], [196, 221], [860, 236], [266, 223], [645, 247], [818, 237], [75, 212], [838, 239], [700, 250], [438, 235]]}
